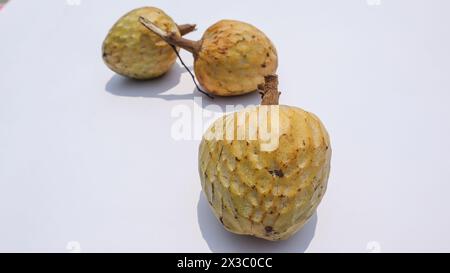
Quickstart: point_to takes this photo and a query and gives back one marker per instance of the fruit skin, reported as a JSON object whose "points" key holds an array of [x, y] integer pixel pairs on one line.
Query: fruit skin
{"points": [[234, 58], [267, 194], [132, 51]]}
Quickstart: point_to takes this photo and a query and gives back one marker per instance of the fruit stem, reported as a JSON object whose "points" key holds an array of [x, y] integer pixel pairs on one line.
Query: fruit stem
{"points": [[190, 73], [172, 38], [269, 90], [186, 28]]}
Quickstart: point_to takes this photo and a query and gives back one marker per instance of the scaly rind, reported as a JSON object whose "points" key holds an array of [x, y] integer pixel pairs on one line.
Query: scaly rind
{"points": [[132, 51], [270, 195], [234, 58]]}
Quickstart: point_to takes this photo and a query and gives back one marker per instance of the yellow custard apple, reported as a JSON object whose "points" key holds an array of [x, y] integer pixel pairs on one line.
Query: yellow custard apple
{"points": [[132, 51], [269, 186], [231, 59]]}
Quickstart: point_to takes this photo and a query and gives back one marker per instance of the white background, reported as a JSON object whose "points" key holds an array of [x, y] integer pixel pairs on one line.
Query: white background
{"points": [[87, 157]]}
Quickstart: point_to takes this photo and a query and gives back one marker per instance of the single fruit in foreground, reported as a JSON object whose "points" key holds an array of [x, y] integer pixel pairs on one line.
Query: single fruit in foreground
{"points": [[261, 182], [232, 57], [132, 51]]}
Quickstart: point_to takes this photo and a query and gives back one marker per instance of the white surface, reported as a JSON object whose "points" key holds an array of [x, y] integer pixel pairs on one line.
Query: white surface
{"points": [[87, 157]]}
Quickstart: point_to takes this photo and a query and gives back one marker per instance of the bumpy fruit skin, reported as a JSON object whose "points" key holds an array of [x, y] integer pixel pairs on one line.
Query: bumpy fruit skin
{"points": [[267, 194], [132, 51], [234, 58]]}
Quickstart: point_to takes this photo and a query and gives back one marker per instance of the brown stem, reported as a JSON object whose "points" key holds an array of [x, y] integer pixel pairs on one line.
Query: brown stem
{"points": [[270, 94], [172, 38], [186, 28]]}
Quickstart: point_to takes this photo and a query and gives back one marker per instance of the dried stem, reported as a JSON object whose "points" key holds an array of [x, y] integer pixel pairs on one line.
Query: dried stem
{"points": [[172, 38], [176, 41], [186, 28], [269, 90]]}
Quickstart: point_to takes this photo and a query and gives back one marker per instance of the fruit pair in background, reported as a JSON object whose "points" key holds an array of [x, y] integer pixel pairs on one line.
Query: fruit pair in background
{"points": [[263, 170], [231, 59]]}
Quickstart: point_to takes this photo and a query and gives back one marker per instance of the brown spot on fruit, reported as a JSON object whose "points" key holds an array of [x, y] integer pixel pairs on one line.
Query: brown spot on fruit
{"points": [[278, 173], [269, 229]]}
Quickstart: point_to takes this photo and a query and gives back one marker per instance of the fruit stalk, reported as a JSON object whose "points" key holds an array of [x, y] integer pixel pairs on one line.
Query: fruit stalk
{"points": [[269, 90], [186, 28], [172, 38]]}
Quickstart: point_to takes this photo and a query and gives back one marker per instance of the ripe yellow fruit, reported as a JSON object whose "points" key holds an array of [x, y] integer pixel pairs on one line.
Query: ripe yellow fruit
{"points": [[132, 51], [234, 58], [231, 59], [265, 191]]}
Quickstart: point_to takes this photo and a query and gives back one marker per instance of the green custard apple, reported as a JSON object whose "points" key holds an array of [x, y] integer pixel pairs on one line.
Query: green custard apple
{"points": [[132, 51], [267, 191]]}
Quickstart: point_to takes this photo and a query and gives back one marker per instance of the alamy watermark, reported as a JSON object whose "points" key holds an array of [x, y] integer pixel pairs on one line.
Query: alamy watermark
{"points": [[373, 2], [373, 247], [234, 122], [73, 2], [73, 247]]}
